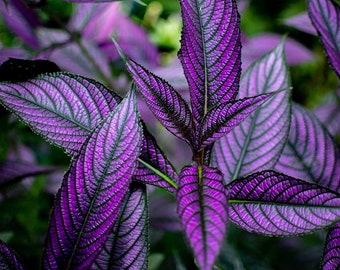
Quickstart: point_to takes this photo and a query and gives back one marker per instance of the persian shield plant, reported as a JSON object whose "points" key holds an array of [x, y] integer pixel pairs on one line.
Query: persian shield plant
{"points": [[255, 155]]}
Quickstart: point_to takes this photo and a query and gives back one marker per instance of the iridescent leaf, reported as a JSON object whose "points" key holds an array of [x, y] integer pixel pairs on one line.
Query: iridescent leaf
{"points": [[325, 15], [127, 247], [65, 108], [257, 143], [331, 257], [272, 203], [164, 101], [210, 52], [202, 208], [8, 258], [310, 152], [14, 171], [221, 119], [93, 190]]}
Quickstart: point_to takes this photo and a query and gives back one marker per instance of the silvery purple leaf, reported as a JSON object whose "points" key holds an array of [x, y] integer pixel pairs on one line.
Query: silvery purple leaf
{"points": [[164, 101], [256, 46], [310, 153], [272, 203], [221, 119], [93, 190], [8, 258], [21, 20], [127, 246], [63, 108], [329, 113], [72, 106], [301, 22], [156, 167], [210, 52], [257, 142], [331, 258], [202, 208], [14, 171], [325, 15]]}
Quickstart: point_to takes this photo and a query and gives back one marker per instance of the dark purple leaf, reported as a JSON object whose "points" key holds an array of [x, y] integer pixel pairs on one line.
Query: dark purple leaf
{"points": [[301, 22], [202, 208], [127, 247], [272, 203], [8, 258], [14, 171], [325, 15], [21, 20], [63, 108], [331, 255], [210, 52], [256, 144], [255, 47], [164, 101], [310, 153], [153, 167], [221, 119], [93, 190], [16, 70]]}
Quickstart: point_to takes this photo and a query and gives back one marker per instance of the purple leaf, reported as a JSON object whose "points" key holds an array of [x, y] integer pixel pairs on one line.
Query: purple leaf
{"points": [[221, 119], [329, 114], [63, 108], [310, 152], [255, 47], [21, 20], [8, 258], [257, 142], [165, 102], [202, 208], [156, 167], [127, 247], [93, 190], [90, 1], [331, 258], [210, 52], [14, 171], [272, 203], [301, 22], [325, 15], [72, 106]]}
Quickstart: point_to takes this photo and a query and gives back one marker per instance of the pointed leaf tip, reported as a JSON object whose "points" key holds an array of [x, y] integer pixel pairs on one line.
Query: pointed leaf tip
{"points": [[119, 50], [202, 208]]}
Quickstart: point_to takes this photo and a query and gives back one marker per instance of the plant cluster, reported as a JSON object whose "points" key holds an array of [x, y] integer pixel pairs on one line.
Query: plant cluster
{"points": [[259, 160]]}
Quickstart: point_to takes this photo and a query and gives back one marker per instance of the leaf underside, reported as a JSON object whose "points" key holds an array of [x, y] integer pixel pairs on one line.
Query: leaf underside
{"points": [[272, 203], [93, 190], [202, 208]]}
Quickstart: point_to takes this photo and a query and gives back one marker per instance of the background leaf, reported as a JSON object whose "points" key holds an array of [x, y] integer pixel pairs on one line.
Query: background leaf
{"points": [[257, 142], [325, 16], [310, 152], [93, 190], [210, 52], [202, 208], [8, 258], [272, 203], [127, 246]]}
